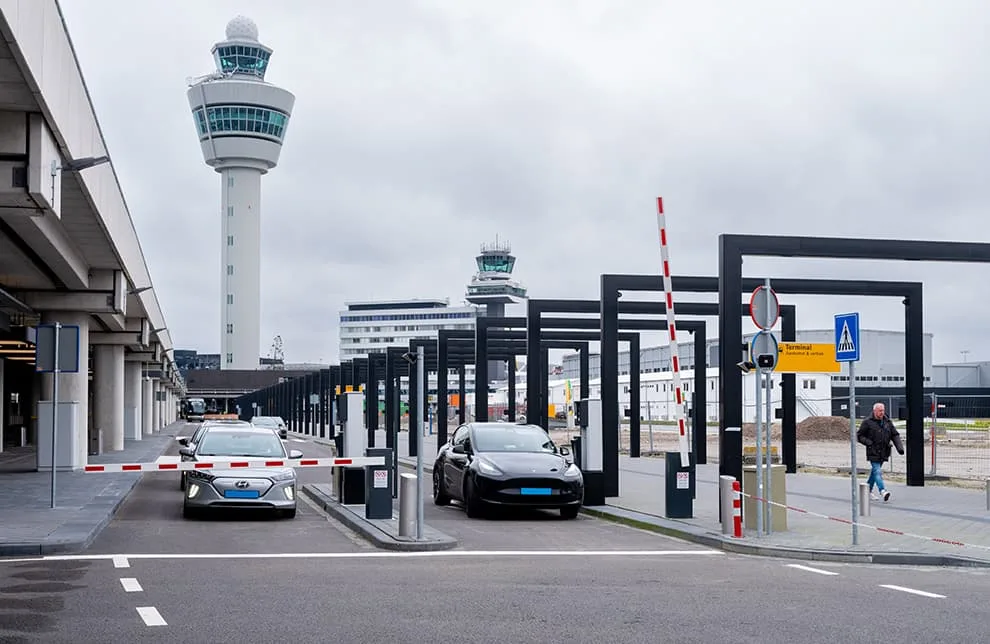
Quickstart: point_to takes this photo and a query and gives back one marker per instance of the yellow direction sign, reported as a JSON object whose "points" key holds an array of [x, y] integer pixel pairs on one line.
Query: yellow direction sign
{"points": [[803, 357]]}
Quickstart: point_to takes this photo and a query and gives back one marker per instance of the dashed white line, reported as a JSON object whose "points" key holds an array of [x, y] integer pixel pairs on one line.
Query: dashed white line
{"points": [[810, 569], [151, 616], [130, 585], [913, 591], [121, 562]]}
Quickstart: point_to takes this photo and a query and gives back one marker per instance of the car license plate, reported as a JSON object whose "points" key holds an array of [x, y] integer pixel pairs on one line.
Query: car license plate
{"points": [[536, 491], [241, 494]]}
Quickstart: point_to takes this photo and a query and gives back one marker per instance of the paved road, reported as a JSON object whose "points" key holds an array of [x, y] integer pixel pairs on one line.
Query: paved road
{"points": [[483, 598], [248, 579]]}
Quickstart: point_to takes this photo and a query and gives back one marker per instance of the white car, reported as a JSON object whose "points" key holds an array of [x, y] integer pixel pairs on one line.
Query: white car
{"points": [[272, 422]]}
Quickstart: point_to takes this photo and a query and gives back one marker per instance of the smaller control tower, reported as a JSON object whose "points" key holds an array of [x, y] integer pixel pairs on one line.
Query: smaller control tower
{"points": [[494, 287]]}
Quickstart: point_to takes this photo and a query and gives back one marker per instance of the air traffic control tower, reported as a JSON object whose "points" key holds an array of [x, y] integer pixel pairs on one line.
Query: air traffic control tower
{"points": [[241, 121], [494, 287]]}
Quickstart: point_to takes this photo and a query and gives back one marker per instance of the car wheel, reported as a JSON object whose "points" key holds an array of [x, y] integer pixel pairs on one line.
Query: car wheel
{"points": [[472, 504], [182, 482], [440, 496], [570, 511]]}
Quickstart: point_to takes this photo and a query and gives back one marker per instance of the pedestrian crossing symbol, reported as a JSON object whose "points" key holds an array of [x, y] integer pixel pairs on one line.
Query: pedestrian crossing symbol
{"points": [[847, 337]]}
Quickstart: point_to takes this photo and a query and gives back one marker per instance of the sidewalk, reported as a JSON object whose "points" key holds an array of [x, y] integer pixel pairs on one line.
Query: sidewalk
{"points": [[84, 503], [937, 514]]}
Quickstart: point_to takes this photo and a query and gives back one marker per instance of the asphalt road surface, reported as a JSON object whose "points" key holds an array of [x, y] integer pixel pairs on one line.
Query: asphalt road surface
{"points": [[153, 576]]}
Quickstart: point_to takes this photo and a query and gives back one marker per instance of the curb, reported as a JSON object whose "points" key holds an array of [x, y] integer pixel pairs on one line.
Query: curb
{"points": [[375, 534], [53, 544], [714, 540]]}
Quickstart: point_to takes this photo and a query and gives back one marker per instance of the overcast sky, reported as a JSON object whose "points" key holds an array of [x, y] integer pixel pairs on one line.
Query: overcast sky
{"points": [[424, 128]]}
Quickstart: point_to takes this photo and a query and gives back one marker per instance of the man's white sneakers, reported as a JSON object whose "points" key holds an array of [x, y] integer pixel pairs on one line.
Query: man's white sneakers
{"points": [[886, 495]]}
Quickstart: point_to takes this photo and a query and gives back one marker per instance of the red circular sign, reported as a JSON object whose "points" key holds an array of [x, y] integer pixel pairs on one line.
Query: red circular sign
{"points": [[760, 301]]}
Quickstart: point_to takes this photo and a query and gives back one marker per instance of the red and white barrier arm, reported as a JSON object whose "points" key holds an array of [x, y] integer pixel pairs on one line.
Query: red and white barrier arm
{"points": [[183, 466], [900, 533]]}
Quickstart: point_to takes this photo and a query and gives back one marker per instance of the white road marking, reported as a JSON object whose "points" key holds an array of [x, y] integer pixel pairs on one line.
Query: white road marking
{"points": [[912, 591], [810, 569], [120, 562], [151, 616], [299, 440], [130, 585], [381, 555]]}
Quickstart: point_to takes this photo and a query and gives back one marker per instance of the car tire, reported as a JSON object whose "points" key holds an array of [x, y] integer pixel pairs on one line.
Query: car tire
{"points": [[472, 504], [182, 481], [570, 511], [440, 496]]}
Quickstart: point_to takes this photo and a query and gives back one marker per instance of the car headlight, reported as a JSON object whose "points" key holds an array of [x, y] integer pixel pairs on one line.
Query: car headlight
{"points": [[289, 491], [488, 468], [201, 475], [572, 470], [192, 490], [287, 475]]}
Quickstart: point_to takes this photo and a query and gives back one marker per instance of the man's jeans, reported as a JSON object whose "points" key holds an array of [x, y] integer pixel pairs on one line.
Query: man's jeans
{"points": [[876, 476]]}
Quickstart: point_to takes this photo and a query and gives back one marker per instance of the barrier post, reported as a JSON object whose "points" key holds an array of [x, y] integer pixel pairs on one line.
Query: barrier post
{"points": [[407, 504], [727, 498], [737, 527], [378, 485], [864, 500]]}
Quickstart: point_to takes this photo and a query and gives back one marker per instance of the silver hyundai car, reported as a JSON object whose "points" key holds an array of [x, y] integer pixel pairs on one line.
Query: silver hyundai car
{"points": [[272, 488]]}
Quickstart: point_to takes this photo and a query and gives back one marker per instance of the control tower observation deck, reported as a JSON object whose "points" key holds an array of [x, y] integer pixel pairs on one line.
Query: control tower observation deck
{"points": [[241, 121], [494, 287]]}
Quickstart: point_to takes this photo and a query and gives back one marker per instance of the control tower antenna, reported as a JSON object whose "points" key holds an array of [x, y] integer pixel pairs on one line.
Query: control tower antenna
{"points": [[241, 121]]}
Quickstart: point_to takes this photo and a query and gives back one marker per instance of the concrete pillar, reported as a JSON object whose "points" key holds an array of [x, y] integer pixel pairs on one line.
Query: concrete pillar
{"points": [[132, 400], [147, 407], [72, 388], [156, 417], [108, 394], [2, 415]]}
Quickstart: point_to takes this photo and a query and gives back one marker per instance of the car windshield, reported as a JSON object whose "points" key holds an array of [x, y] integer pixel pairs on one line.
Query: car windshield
{"points": [[262, 421], [225, 442], [511, 438]]}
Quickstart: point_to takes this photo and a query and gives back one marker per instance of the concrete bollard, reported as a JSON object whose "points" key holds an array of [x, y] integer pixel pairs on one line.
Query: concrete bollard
{"points": [[407, 504], [727, 496], [864, 500]]}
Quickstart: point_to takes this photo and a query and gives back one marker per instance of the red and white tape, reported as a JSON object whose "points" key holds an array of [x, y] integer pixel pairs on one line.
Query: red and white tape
{"points": [[668, 288], [900, 533], [184, 466], [737, 510]]}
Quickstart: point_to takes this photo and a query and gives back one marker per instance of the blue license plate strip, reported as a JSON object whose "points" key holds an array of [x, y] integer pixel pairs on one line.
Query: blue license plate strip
{"points": [[536, 491], [241, 494]]}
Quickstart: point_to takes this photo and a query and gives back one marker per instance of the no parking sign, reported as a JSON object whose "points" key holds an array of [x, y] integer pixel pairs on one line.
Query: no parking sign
{"points": [[381, 478]]}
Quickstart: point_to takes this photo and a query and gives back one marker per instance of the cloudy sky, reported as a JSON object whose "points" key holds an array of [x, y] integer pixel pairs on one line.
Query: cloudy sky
{"points": [[423, 128]]}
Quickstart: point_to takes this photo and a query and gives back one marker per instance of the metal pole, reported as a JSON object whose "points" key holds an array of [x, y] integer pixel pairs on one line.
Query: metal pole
{"points": [[864, 500], [407, 508], [934, 430], [769, 429], [727, 499], [769, 425], [420, 377], [649, 418], [988, 494], [760, 507], [852, 448], [58, 328]]}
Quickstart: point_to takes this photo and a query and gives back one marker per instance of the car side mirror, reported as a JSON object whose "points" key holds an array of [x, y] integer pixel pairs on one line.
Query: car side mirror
{"points": [[564, 450], [186, 451], [182, 440], [294, 453], [458, 449]]}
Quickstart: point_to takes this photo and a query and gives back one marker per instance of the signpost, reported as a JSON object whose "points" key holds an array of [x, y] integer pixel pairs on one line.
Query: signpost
{"points": [[803, 357], [56, 350], [847, 350], [764, 308]]}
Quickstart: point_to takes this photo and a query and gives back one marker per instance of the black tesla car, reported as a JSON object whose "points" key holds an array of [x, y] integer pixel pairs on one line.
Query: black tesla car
{"points": [[506, 464]]}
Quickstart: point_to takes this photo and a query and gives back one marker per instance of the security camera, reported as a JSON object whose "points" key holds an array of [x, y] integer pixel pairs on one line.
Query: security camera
{"points": [[409, 357], [746, 366]]}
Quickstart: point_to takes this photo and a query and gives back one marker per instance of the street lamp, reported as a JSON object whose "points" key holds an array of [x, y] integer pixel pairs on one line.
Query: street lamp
{"points": [[75, 165]]}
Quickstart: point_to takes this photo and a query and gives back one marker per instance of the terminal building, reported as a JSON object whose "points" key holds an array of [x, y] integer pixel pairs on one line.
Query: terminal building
{"points": [[69, 254]]}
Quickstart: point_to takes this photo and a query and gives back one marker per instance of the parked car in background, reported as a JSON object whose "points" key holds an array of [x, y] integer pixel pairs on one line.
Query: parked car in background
{"points": [[273, 422]]}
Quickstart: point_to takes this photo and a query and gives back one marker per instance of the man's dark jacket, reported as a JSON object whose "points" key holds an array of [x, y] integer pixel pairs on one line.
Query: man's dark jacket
{"points": [[877, 436]]}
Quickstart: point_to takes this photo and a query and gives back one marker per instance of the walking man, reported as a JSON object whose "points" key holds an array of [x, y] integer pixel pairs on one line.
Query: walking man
{"points": [[877, 432]]}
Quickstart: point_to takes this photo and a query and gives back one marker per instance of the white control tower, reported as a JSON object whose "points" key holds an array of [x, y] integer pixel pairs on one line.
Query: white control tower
{"points": [[241, 121]]}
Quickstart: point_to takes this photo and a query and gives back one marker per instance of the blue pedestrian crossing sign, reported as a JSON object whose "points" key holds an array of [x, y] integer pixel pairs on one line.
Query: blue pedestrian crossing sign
{"points": [[847, 337]]}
